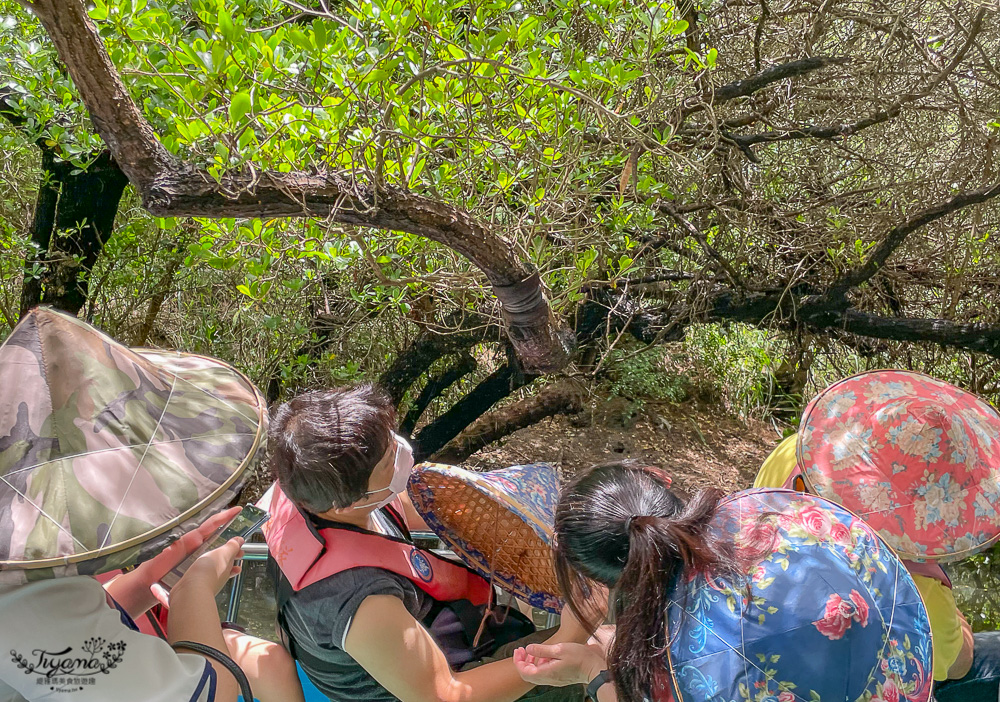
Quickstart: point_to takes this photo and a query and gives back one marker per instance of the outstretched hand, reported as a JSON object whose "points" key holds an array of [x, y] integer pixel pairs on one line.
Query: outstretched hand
{"points": [[137, 590], [559, 664]]}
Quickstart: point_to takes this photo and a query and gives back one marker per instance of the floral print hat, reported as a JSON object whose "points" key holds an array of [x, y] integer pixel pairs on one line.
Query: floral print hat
{"points": [[107, 454], [917, 458], [825, 613], [499, 523]]}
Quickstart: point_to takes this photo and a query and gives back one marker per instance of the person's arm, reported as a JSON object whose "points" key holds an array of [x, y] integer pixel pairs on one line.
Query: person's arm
{"points": [[193, 613], [414, 522], [132, 590], [962, 664], [401, 655]]}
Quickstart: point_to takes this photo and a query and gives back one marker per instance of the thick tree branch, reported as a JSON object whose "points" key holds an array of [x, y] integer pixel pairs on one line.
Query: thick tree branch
{"points": [[560, 398], [748, 86], [774, 74], [498, 385], [79, 206], [427, 348], [982, 338], [434, 388], [170, 187], [786, 309]]}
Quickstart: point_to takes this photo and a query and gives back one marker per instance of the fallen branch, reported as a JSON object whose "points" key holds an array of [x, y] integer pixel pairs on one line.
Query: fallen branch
{"points": [[561, 398]]}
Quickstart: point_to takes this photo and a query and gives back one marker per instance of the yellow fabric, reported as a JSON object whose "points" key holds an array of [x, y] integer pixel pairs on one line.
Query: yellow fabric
{"points": [[946, 629], [778, 466]]}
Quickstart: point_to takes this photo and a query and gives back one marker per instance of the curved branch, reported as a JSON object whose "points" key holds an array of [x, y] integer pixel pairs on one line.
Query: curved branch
{"points": [[170, 187], [895, 237], [427, 348], [498, 385], [561, 398], [434, 388]]}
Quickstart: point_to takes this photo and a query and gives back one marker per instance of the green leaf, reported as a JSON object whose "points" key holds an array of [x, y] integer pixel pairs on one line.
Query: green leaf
{"points": [[239, 106], [226, 28], [319, 34]]}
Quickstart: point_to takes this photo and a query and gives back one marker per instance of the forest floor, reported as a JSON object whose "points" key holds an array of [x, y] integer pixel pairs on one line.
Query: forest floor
{"points": [[699, 446]]}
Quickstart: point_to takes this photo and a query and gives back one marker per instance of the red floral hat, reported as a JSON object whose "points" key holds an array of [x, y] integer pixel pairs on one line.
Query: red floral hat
{"points": [[917, 458]]}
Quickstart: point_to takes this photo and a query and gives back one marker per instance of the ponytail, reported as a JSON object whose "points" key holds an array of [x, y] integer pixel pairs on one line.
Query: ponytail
{"points": [[621, 526], [661, 550]]}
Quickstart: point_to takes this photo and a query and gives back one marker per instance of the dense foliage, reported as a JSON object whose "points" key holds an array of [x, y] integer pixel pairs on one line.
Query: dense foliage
{"points": [[662, 165]]}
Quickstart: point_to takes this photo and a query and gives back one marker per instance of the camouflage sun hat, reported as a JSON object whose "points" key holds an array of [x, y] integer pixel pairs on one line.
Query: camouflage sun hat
{"points": [[108, 454]]}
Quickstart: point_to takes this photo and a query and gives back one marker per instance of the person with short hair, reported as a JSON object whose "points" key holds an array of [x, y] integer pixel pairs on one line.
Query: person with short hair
{"points": [[369, 616]]}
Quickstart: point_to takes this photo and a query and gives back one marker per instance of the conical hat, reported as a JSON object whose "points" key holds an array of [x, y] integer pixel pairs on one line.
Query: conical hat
{"points": [[833, 614], [499, 523], [107, 454], [915, 457]]}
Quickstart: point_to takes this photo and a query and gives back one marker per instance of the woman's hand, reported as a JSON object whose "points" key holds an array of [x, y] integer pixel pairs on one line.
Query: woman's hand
{"points": [[559, 664], [137, 590], [212, 569], [155, 568]]}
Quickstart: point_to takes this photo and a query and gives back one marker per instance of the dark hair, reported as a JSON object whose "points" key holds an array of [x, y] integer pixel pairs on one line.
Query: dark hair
{"points": [[621, 526], [325, 444]]}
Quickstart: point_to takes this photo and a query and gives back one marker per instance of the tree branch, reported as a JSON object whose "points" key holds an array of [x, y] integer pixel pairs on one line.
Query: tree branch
{"points": [[895, 237], [170, 187], [561, 398], [700, 237], [498, 385], [786, 309], [774, 74], [434, 388], [835, 131], [427, 348]]}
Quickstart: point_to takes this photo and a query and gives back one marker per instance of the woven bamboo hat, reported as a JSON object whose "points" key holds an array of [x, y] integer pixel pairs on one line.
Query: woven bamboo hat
{"points": [[107, 454], [499, 523]]}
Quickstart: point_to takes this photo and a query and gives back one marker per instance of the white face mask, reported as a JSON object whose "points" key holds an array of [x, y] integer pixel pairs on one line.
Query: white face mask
{"points": [[401, 470]]}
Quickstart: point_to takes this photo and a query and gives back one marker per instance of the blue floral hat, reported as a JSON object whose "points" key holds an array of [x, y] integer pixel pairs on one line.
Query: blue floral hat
{"points": [[832, 613], [499, 523]]}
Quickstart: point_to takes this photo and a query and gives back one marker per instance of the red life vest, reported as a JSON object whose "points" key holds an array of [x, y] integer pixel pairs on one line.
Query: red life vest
{"points": [[928, 569], [306, 555]]}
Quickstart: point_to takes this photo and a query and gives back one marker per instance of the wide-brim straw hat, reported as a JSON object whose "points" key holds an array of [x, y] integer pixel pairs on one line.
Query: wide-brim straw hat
{"points": [[832, 613], [108, 454], [499, 523], [916, 457]]}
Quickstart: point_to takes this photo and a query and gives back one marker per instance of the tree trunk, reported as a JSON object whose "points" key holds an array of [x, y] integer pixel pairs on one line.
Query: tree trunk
{"points": [[74, 215], [434, 388], [427, 348], [498, 385]]}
